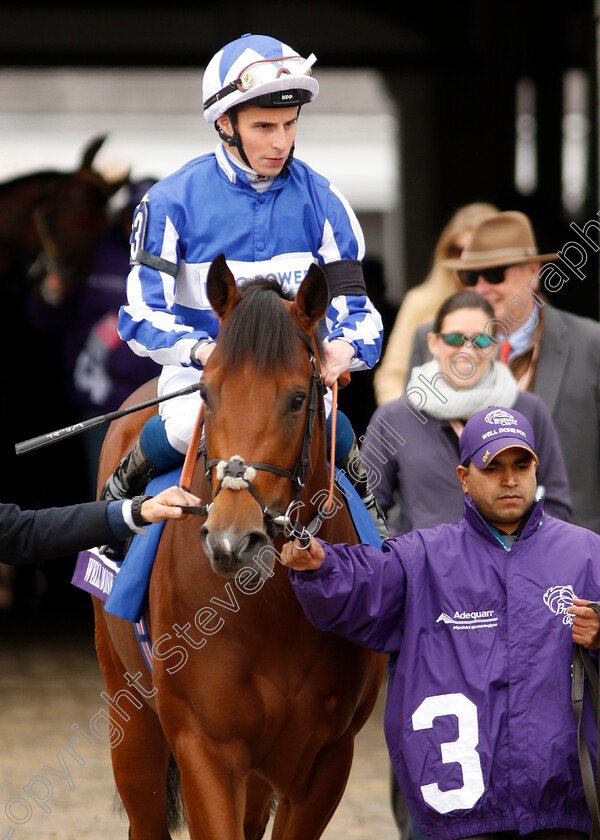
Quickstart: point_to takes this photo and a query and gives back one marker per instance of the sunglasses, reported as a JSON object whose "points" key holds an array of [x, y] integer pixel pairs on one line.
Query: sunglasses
{"points": [[458, 340], [469, 277]]}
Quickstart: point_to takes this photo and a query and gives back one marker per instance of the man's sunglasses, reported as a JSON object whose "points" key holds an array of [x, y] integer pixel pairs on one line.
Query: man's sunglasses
{"points": [[469, 277], [458, 340]]}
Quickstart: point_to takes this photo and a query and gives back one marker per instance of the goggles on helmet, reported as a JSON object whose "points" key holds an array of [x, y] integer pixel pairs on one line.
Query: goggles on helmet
{"points": [[266, 71]]}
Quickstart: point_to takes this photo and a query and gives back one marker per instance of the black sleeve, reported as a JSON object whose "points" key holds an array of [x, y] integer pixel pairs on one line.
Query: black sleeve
{"points": [[345, 277], [27, 536]]}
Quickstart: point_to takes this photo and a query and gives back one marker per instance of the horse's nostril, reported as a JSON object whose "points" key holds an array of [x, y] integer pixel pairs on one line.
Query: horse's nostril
{"points": [[230, 551], [250, 544]]}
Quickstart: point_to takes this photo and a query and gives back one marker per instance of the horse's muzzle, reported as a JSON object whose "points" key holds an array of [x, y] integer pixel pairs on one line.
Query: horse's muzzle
{"points": [[229, 550]]}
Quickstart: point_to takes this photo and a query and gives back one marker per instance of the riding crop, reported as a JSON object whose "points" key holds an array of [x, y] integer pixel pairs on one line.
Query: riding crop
{"points": [[77, 428]]}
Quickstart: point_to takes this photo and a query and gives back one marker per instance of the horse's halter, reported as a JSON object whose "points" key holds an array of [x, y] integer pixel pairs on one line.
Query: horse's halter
{"points": [[237, 474]]}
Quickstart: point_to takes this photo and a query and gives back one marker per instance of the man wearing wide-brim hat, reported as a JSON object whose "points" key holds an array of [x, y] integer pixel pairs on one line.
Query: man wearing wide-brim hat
{"points": [[552, 353], [499, 240]]}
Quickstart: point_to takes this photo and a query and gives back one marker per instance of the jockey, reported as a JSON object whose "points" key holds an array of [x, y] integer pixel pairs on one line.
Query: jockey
{"points": [[269, 214]]}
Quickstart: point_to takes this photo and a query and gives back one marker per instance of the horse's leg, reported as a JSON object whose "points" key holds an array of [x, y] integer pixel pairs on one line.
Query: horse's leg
{"points": [[140, 759], [306, 818], [140, 770], [214, 798], [258, 807], [213, 775]]}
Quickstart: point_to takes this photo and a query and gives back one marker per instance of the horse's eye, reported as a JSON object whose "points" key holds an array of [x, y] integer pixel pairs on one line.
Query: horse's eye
{"points": [[296, 402], [203, 396]]}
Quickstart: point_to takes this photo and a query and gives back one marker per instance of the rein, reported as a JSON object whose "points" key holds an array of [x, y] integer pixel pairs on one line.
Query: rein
{"points": [[237, 474]]}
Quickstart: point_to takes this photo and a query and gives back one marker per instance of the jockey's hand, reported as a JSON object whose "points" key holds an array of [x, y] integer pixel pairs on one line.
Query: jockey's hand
{"points": [[204, 352], [166, 505], [302, 559], [338, 355], [586, 624]]}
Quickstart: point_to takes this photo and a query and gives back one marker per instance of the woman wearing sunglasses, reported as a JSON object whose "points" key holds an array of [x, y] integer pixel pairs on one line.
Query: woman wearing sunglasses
{"points": [[411, 444]]}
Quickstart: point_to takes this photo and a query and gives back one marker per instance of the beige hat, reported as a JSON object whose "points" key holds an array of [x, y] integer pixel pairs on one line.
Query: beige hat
{"points": [[502, 239]]}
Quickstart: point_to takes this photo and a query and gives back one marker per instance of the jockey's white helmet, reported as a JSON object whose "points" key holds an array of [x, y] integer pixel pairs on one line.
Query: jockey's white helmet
{"points": [[258, 70]]}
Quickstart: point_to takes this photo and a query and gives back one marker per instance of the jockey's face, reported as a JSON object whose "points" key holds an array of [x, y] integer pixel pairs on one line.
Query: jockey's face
{"points": [[267, 136]]}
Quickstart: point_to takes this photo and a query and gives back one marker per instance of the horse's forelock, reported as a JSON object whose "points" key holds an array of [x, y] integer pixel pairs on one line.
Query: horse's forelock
{"points": [[260, 328]]}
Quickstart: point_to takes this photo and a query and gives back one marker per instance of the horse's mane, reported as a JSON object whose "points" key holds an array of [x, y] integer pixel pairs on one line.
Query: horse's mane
{"points": [[260, 328]]}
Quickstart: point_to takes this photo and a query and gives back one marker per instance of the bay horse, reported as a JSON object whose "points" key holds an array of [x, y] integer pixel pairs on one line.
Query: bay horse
{"points": [[254, 704], [50, 219]]}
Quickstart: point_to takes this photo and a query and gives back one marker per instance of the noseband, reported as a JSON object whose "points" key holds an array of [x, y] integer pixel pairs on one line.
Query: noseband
{"points": [[237, 474]]}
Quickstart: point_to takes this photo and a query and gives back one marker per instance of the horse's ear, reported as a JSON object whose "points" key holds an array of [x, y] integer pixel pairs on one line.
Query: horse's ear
{"points": [[91, 150], [312, 300], [220, 287]]}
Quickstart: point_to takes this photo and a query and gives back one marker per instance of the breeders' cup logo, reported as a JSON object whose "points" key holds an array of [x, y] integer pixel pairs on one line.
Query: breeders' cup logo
{"points": [[558, 599], [498, 417]]}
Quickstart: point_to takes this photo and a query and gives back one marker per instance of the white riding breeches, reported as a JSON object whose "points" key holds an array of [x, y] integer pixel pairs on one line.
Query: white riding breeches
{"points": [[179, 414]]}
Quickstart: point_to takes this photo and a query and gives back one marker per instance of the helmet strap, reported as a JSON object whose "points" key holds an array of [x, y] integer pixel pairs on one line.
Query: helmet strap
{"points": [[233, 139]]}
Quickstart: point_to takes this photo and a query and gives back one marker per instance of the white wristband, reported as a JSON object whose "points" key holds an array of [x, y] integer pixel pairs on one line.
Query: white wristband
{"points": [[127, 516]]}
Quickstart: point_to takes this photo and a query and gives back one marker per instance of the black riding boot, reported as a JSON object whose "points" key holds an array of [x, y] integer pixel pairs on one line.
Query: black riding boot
{"points": [[354, 467], [130, 476]]}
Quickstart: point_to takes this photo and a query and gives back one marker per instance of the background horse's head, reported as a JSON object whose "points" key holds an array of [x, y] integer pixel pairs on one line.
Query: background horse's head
{"points": [[259, 410], [51, 221], [72, 216]]}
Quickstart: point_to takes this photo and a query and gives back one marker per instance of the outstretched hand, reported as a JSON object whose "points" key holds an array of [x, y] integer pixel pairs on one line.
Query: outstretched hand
{"points": [[586, 624], [302, 559], [166, 505]]}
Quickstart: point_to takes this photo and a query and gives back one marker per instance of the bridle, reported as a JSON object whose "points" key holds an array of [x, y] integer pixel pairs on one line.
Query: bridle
{"points": [[237, 474], [50, 254]]}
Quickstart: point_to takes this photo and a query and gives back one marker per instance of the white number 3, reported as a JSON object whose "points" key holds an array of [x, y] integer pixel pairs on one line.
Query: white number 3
{"points": [[461, 751], [137, 230]]}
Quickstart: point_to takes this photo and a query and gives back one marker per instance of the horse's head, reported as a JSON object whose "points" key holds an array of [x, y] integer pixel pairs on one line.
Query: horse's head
{"points": [[72, 216], [261, 389]]}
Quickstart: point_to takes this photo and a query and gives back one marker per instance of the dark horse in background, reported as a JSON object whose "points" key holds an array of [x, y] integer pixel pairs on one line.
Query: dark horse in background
{"points": [[255, 706], [50, 222]]}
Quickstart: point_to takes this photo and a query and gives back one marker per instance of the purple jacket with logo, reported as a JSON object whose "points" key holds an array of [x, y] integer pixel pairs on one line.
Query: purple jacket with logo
{"points": [[478, 716]]}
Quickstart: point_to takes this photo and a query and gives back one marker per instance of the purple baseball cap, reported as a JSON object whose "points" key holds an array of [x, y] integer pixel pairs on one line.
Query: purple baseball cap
{"points": [[492, 430]]}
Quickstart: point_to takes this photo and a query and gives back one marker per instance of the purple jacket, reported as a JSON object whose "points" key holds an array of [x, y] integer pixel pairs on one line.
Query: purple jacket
{"points": [[478, 717], [419, 475]]}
